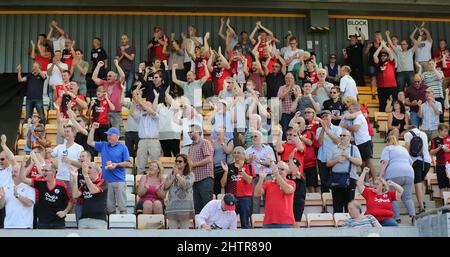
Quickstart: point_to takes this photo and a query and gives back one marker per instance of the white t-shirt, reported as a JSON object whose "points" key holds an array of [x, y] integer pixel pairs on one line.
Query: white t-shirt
{"points": [[6, 176], [426, 155], [362, 135], [56, 77], [58, 43], [168, 129], [423, 52], [17, 214], [348, 87], [289, 52], [72, 153]]}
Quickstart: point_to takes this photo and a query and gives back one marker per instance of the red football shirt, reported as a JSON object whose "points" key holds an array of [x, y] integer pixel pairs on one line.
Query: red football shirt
{"points": [[379, 206], [270, 65], [100, 112], [236, 184], [200, 69], [310, 157], [288, 148], [279, 207], [219, 78], [234, 64], [44, 62], [67, 58], [386, 75]]}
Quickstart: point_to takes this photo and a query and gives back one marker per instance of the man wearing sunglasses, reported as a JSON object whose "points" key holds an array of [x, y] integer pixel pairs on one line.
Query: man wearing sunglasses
{"points": [[54, 200], [328, 137]]}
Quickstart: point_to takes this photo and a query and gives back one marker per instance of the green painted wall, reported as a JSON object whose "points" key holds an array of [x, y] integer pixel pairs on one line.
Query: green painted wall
{"points": [[16, 31]]}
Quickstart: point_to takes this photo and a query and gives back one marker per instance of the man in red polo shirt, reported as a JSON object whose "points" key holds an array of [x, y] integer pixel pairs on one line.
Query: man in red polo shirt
{"points": [[387, 84], [279, 194], [221, 70], [156, 45]]}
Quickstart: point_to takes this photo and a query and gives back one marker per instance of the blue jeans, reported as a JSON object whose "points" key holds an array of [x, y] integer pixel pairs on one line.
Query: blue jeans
{"points": [[129, 78], [39, 105], [243, 209], [414, 119], [389, 223], [277, 226], [78, 211], [404, 78]]}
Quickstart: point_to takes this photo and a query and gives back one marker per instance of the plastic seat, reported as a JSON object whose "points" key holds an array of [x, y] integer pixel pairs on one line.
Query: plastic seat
{"points": [[339, 218], [122, 221], [320, 220], [257, 220], [151, 221], [313, 203], [71, 221]]}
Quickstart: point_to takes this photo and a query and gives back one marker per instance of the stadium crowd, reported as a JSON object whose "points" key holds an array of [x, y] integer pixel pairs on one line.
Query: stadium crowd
{"points": [[281, 125]]}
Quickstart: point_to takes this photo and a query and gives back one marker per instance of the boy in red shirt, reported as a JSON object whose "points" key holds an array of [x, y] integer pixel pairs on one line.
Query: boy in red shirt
{"points": [[279, 196], [440, 146], [99, 109]]}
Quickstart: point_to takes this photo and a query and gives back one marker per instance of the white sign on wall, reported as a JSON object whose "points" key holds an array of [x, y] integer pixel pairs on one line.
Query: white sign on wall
{"points": [[353, 23]]}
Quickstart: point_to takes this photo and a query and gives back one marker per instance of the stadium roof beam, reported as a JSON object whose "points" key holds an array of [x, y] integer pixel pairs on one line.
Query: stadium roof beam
{"points": [[414, 8]]}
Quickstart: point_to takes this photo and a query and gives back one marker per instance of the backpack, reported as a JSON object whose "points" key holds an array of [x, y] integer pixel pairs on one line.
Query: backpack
{"points": [[416, 145]]}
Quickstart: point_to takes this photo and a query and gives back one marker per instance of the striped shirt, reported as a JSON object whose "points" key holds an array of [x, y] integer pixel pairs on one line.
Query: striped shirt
{"points": [[198, 151], [365, 221], [432, 81]]}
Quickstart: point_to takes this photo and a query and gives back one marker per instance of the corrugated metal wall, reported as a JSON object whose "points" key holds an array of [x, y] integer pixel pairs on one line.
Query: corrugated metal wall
{"points": [[16, 31]]}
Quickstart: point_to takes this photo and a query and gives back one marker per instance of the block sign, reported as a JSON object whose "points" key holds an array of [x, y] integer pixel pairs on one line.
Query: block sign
{"points": [[353, 23]]}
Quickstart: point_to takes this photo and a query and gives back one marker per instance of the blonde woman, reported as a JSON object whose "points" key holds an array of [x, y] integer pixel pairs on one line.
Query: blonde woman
{"points": [[396, 165], [237, 179], [379, 198], [150, 191]]}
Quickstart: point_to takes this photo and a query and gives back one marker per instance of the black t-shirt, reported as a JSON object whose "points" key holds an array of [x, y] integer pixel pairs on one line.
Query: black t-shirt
{"points": [[274, 82], [355, 55], [372, 51], [35, 86], [94, 205], [440, 155], [335, 108], [51, 201], [99, 54], [82, 140]]}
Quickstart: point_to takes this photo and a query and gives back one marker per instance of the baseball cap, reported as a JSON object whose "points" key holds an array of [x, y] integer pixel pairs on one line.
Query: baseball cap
{"points": [[229, 202], [113, 131], [324, 112]]}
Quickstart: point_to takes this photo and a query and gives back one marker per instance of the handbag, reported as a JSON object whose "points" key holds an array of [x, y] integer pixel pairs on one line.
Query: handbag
{"points": [[342, 180]]}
